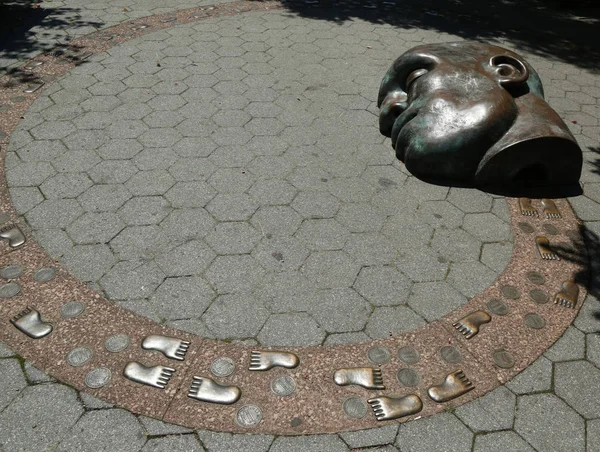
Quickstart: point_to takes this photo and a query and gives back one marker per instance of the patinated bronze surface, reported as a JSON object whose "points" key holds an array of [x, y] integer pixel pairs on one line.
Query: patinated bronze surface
{"points": [[469, 113]]}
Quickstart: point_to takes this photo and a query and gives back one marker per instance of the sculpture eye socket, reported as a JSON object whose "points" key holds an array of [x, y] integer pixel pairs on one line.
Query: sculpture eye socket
{"points": [[413, 76]]}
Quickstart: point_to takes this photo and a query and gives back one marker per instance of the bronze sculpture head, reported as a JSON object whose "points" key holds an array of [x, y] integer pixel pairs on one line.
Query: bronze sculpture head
{"points": [[469, 113]]}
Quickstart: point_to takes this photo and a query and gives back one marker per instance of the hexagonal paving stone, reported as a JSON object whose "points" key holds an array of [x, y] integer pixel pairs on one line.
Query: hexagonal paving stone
{"points": [[235, 316], [104, 198], [325, 234], [114, 429], [190, 194], [387, 321], [383, 286], [190, 258], [142, 210], [542, 420], [232, 207], [287, 330], [470, 200], [456, 245], [487, 227], [233, 238], [231, 180], [316, 205], [360, 217], [330, 269], [132, 279], [433, 300], [234, 274], [440, 213], [575, 383], [281, 253], [89, 262], [425, 435], [12, 381], [39, 418], [276, 221], [340, 310]]}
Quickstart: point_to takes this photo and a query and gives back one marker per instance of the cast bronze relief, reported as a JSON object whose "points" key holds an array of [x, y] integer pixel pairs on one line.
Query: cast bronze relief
{"points": [[473, 114]]}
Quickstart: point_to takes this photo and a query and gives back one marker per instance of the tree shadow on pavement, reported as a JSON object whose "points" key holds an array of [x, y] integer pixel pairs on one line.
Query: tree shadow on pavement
{"points": [[542, 27], [27, 29]]}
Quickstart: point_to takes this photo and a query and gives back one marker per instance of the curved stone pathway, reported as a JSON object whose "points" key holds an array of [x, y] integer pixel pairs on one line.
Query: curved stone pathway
{"points": [[456, 431]]}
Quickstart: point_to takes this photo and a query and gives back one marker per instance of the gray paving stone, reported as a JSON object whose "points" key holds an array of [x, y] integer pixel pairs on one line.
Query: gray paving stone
{"points": [[593, 434], [422, 264], [132, 279], [286, 330], [500, 442], [330, 269], [233, 238], [5, 352], [570, 346], [593, 348], [287, 291], [113, 429], [406, 231], [370, 249], [92, 227], [272, 192], [224, 442], [182, 297], [280, 253], [89, 262], [536, 378], [144, 210], [316, 205], [55, 213], [425, 435], [155, 427], [26, 198], [190, 258], [360, 217], [112, 171], [234, 273], [39, 418], [371, 437], [322, 443], [470, 200], [423, 191], [324, 234], [29, 174], [587, 319], [440, 214], [433, 300], [175, 442], [232, 207], [494, 411], [387, 321], [456, 245], [35, 375], [383, 286], [100, 198], [340, 310], [65, 185], [542, 420], [470, 278], [12, 381], [187, 224], [487, 227], [235, 316], [496, 255], [93, 403], [149, 183], [575, 383], [276, 221]]}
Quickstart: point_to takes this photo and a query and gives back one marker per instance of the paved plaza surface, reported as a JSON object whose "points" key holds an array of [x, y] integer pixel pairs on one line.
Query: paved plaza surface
{"points": [[227, 178]]}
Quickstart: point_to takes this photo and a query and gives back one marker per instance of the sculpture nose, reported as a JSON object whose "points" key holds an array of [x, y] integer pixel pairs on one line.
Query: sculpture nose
{"points": [[392, 106]]}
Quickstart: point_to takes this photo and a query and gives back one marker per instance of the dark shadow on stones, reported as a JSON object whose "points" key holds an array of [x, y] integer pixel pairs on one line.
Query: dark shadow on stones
{"points": [[26, 28], [569, 32]]}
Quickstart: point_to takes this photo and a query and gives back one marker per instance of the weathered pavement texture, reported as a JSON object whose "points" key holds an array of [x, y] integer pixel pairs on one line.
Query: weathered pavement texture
{"points": [[208, 145]]}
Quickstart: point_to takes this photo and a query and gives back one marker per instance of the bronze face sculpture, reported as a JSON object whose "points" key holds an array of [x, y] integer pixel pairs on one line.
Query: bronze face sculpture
{"points": [[474, 114]]}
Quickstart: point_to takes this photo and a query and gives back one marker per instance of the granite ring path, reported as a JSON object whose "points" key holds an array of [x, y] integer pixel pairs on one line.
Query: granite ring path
{"points": [[105, 350]]}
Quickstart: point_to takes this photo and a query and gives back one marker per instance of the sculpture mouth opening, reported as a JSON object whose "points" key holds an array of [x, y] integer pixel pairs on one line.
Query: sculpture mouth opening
{"points": [[533, 175]]}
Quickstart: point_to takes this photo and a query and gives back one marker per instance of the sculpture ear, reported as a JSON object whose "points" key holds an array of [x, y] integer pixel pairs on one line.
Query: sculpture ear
{"points": [[510, 71]]}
